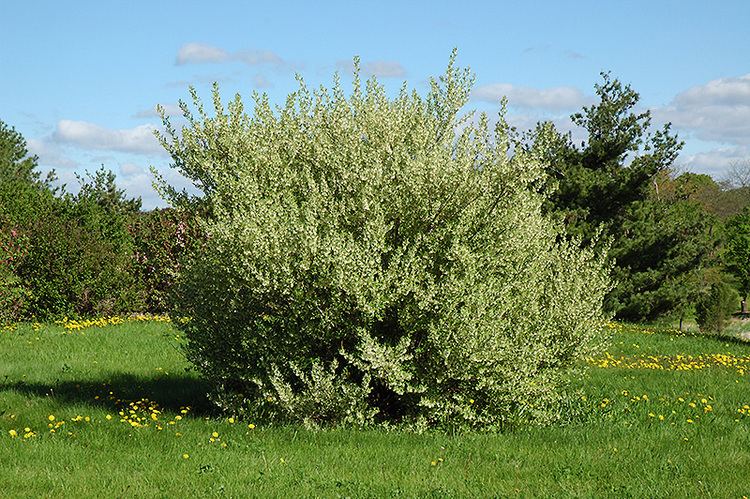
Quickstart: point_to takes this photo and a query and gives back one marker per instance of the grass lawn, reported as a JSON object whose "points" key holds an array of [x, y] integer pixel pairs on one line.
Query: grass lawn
{"points": [[667, 415]]}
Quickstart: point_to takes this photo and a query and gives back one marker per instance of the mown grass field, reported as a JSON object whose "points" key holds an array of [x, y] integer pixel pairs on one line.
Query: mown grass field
{"points": [[665, 415]]}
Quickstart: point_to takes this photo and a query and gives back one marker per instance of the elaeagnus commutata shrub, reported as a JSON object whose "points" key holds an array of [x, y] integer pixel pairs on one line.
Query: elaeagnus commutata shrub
{"points": [[378, 260]]}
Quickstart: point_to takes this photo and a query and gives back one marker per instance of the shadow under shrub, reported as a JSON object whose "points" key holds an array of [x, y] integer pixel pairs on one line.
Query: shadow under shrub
{"points": [[373, 260]]}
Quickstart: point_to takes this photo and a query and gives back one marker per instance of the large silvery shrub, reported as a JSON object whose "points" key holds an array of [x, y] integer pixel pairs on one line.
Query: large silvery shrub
{"points": [[377, 260]]}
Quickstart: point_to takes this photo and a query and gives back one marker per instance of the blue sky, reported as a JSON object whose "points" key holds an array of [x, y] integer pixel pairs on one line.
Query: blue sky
{"points": [[80, 79]]}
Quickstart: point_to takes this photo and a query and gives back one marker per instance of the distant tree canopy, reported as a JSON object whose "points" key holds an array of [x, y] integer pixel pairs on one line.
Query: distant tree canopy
{"points": [[15, 162], [722, 199], [63, 254], [672, 237], [101, 189], [23, 191]]}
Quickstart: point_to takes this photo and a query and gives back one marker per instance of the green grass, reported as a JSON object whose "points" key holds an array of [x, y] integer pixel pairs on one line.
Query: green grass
{"points": [[620, 448]]}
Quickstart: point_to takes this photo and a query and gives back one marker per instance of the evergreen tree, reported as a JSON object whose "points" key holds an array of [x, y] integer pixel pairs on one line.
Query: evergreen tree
{"points": [[23, 190], [606, 190], [737, 257], [100, 188]]}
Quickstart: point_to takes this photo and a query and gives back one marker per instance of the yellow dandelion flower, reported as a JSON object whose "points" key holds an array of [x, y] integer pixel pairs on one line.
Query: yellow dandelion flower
{"points": [[215, 434], [251, 426], [186, 456], [13, 433], [51, 417]]}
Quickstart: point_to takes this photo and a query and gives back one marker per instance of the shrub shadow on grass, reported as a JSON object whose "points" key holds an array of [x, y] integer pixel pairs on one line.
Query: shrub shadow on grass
{"points": [[725, 336], [171, 392]]}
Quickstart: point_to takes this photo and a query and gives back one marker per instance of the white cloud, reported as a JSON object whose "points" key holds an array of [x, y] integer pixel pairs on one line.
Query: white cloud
{"points": [[726, 91], [198, 53], [718, 111], [130, 169], [553, 99], [382, 69], [68, 179], [139, 183], [260, 81], [138, 140], [50, 154], [385, 69], [169, 109], [255, 57], [715, 162]]}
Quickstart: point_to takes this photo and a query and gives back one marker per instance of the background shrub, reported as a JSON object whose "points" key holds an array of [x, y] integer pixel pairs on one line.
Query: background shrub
{"points": [[14, 295], [374, 260], [162, 238], [715, 309], [78, 263], [63, 254]]}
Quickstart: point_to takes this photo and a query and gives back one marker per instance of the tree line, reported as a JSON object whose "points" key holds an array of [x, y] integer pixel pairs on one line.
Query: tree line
{"points": [[91, 253], [679, 242]]}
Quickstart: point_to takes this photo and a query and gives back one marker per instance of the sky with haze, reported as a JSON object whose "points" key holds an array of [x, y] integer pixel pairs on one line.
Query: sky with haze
{"points": [[80, 80]]}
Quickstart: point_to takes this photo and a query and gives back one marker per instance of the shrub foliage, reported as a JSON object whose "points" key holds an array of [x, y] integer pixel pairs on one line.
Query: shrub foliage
{"points": [[376, 260], [714, 310], [161, 239]]}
